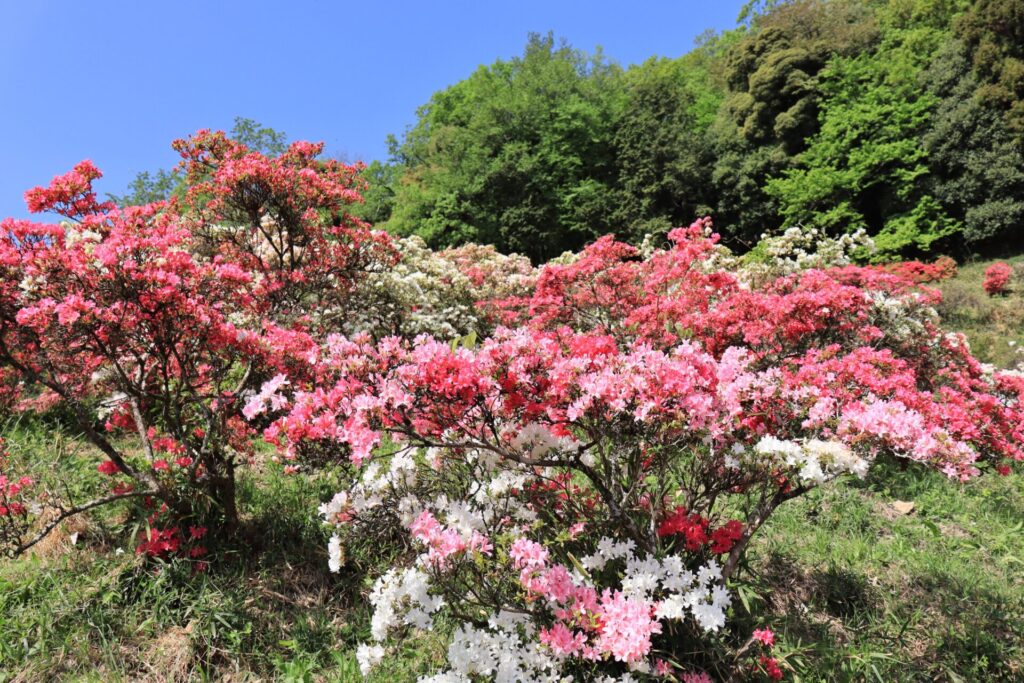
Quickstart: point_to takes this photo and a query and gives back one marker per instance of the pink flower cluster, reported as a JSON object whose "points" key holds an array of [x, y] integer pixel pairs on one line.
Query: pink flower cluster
{"points": [[997, 278], [587, 624], [70, 195], [444, 543]]}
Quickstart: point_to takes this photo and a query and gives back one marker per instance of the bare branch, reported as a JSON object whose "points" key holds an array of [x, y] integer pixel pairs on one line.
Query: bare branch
{"points": [[78, 509]]}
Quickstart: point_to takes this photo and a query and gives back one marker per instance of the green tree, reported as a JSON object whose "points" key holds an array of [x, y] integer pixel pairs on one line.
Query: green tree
{"points": [[774, 102], [258, 138], [663, 159], [379, 196], [147, 188], [519, 155], [867, 167], [993, 33], [976, 165]]}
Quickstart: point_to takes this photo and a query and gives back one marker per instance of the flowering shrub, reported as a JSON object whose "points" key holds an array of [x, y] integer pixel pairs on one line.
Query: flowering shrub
{"points": [[575, 492], [997, 277], [436, 292], [163, 318], [942, 268], [580, 488], [795, 250]]}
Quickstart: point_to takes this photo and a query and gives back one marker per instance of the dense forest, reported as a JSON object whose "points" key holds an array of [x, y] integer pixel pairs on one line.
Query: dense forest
{"points": [[904, 118]]}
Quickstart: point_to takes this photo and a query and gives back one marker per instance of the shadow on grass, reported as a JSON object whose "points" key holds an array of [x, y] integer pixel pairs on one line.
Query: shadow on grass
{"points": [[267, 607], [844, 625]]}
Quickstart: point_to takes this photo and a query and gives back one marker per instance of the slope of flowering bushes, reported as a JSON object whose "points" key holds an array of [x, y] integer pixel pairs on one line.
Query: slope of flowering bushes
{"points": [[568, 462], [580, 487]]}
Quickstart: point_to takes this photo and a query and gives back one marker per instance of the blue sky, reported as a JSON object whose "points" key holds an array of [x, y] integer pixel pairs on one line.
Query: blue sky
{"points": [[115, 82]]}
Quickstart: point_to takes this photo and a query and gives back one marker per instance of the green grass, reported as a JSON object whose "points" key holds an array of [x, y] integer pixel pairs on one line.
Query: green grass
{"points": [[994, 325], [855, 589], [858, 590], [268, 608]]}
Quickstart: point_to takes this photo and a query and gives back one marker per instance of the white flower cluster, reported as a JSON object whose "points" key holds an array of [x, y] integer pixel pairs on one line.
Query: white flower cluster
{"points": [[499, 654], [796, 249], [334, 554], [903, 317], [1019, 352], [75, 234], [402, 597], [535, 441], [681, 591], [428, 292], [369, 656], [374, 485], [818, 461]]}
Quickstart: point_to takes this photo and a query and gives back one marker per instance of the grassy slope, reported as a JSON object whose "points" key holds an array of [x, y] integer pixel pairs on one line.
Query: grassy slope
{"points": [[993, 325], [855, 588]]}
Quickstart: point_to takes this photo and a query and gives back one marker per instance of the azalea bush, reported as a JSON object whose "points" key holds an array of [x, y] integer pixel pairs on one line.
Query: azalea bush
{"points": [[152, 325], [436, 292], [997, 279], [577, 491], [793, 250], [14, 492]]}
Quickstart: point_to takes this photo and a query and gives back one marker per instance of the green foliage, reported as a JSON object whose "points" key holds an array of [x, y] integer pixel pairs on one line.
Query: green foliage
{"points": [[258, 138], [993, 31], [773, 103], [853, 590], [743, 210], [519, 155], [662, 155], [867, 165], [903, 117], [977, 167], [147, 188], [379, 195]]}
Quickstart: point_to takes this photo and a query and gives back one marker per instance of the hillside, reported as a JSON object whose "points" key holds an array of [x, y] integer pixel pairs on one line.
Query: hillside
{"points": [[904, 576]]}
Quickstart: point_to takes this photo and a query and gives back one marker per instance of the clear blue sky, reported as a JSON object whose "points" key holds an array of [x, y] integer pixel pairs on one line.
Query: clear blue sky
{"points": [[115, 82]]}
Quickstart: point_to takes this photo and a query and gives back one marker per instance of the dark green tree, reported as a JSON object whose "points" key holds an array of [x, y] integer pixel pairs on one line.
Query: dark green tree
{"points": [[993, 33], [977, 167], [662, 154]]}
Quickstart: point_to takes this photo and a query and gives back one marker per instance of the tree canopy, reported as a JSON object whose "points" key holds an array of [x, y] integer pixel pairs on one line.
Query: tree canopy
{"points": [[901, 117]]}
